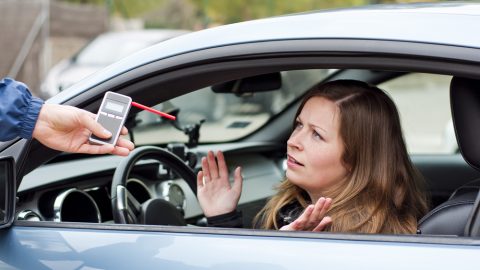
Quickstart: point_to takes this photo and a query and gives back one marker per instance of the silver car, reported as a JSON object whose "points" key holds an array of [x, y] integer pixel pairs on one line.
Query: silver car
{"points": [[70, 211]]}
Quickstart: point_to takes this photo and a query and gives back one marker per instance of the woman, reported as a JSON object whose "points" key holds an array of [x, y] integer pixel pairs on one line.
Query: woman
{"points": [[348, 169]]}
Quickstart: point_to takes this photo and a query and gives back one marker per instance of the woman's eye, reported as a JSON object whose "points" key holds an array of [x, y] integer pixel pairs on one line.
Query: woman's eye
{"points": [[298, 125], [317, 135]]}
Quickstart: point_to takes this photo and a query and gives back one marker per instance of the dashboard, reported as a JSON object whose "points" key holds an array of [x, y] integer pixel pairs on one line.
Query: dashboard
{"points": [[79, 190]]}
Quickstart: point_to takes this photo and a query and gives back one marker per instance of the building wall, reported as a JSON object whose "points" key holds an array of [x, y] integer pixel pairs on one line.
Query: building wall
{"points": [[36, 34]]}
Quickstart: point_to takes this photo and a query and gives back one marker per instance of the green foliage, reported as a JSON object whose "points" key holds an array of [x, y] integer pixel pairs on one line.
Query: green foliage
{"points": [[134, 8], [230, 11], [94, 2], [192, 13], [173, 14]]}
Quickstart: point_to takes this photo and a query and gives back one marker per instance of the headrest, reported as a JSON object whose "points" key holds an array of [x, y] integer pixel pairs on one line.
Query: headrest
{"points": [[465, 102]]}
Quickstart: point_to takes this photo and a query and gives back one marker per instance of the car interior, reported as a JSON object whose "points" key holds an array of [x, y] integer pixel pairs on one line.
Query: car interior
{"points": [[456, 216], [249, 118]]}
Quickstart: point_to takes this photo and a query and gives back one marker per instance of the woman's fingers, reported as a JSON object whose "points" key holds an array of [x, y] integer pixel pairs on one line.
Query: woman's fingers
{"points": [[321, 208], [317, 211], [214, 168], [222, 166], [323, 224], [294, 226], [199, 179], [326, 206], [313, 217], [206, 170], [304, 219], [212, 165], [237, 180]]}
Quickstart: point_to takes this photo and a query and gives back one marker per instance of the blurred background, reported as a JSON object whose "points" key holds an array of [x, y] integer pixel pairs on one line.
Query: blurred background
{"points": [[51, 44]]}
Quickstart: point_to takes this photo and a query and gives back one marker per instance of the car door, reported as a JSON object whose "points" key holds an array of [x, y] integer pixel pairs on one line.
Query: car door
{"points": [[49, 246], [52, 245]]}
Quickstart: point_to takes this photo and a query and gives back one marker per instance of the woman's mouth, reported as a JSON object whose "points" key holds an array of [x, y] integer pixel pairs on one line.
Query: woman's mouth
{"points": [[291, 161]]}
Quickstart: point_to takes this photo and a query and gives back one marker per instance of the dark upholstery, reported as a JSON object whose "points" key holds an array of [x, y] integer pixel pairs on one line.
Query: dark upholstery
{"points": [[454, 216], [465, 103], [450, 217]]}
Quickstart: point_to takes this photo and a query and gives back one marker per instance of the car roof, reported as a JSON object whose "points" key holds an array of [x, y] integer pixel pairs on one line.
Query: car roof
{"points": [[453, 24]]}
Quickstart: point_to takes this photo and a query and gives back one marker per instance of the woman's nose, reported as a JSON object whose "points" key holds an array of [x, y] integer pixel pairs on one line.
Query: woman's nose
{"points": [[295, 140]]}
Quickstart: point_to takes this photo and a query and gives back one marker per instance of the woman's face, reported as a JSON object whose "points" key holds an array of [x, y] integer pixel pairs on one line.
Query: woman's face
{"points": [[315, 148]]}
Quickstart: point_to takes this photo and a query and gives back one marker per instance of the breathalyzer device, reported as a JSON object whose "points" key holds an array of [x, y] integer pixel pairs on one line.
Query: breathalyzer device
{"points": [[112, 115]]}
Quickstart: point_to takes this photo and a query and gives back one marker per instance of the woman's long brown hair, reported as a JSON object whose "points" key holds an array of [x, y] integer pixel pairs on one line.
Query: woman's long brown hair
{"points": [[383, 192]]}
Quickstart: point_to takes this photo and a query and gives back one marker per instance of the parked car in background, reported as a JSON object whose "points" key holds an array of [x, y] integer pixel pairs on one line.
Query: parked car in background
{"points": [[425, 56], [102, 51]]}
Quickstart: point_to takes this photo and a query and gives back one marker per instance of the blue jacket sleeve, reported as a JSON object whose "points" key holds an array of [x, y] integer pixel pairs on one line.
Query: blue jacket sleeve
{"points": [[18, 110]]}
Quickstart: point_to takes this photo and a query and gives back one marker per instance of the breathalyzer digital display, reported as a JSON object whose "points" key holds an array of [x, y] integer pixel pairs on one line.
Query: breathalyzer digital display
{"points": [[112, 115]]}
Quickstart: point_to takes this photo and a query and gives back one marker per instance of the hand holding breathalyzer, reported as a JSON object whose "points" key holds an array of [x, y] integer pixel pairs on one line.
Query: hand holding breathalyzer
{"points": [[70, 129], [66, 128]]}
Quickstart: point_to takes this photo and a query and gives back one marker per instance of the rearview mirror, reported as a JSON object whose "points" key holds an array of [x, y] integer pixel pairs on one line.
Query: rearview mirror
{"points": [[259, 83], [7, 191]]}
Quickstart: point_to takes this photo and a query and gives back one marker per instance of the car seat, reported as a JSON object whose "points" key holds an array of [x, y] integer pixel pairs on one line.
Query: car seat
{"points": [[459, 214], [450, 217]]}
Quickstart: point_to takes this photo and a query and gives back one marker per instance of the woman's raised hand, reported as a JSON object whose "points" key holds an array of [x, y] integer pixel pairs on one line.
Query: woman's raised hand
{"points": [[313, 218], [214, 192]]}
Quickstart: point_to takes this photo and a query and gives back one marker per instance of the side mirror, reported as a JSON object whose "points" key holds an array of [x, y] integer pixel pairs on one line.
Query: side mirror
{"points": [[7, 191]]}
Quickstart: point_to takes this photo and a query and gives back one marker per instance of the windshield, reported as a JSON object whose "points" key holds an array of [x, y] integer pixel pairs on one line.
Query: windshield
{"points": [[227, 116]]}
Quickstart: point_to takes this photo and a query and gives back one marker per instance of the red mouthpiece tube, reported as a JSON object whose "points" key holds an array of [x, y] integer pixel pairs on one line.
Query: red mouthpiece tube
{"points": [[162, 114]]}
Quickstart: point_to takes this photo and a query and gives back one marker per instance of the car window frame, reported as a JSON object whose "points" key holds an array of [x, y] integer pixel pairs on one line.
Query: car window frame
{"points": [[249, 59]]}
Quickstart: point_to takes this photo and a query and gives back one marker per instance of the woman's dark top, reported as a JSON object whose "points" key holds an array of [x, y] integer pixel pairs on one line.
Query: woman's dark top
{"points": [[285, 216]]}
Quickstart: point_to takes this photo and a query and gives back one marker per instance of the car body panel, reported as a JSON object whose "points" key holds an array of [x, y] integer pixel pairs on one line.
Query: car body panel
{"points": [[87, 248]]}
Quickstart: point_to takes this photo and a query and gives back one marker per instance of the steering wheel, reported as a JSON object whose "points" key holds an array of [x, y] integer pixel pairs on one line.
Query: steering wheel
{"points": [[127, 210]]}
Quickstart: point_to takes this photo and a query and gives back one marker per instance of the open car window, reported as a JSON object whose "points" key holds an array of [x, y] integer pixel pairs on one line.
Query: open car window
{"points": [[423, 103], [421, 99], [227, 116]]}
